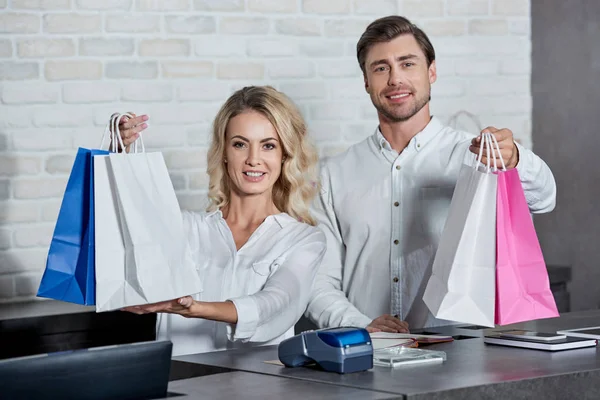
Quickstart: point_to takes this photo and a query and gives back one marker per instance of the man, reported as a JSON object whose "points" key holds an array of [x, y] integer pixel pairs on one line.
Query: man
{"points": [[384, 201]]}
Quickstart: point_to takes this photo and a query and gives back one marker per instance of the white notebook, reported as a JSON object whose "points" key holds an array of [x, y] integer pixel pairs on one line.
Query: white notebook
{"points": [[556, 345]]}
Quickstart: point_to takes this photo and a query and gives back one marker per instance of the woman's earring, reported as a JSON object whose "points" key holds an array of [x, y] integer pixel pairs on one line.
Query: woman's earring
{"points": [[225, 160]]}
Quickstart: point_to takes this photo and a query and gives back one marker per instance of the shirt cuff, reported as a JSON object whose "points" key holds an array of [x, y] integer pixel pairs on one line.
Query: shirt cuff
{"points": [[247, 312], [523, 161]]}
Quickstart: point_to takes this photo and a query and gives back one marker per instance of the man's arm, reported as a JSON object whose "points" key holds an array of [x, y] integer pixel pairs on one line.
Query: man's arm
{"points": [[329, 306], [536, 178]]}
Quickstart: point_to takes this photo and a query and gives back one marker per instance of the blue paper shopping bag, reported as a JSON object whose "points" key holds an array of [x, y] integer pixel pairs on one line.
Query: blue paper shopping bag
{"points": [[70, 272]]}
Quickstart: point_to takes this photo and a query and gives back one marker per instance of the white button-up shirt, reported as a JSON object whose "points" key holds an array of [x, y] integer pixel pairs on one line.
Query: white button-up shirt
{"points": [[268, 280], [383, 214]]}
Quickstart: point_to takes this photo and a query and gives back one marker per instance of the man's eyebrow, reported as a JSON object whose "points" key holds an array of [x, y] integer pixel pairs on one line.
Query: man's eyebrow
{"points": [[401, 58]]}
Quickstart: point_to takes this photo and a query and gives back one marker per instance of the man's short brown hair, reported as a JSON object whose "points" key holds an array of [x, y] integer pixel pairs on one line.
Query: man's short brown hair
{"points": [[388, 28]]}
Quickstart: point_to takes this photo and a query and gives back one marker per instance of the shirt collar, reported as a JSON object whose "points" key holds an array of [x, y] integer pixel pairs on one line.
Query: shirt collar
{"points": [[419, 141], [282, 219]]}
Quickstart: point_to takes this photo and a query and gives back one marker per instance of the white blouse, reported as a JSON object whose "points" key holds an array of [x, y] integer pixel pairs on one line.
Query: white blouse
{"points": [[268, 280]]}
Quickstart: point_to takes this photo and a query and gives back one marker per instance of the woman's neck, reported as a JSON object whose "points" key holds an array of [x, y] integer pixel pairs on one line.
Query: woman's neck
{"points": [[246, 211]]}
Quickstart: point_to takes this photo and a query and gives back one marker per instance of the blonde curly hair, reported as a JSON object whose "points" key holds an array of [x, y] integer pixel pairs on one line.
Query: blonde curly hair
{"points": [[298, 184]]}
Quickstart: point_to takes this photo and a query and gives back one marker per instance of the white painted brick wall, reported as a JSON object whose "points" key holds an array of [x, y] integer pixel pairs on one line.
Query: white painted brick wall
{"points": [[66, 65]]}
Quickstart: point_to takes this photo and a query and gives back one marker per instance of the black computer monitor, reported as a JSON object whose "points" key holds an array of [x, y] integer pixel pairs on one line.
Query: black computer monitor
{"points": [[128, 371]]}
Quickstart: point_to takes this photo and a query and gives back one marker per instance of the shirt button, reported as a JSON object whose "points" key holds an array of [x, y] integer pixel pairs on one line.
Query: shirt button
{"points": [[395, 279], [396, 241], [397, 167], [418, 144], [396, 204]]}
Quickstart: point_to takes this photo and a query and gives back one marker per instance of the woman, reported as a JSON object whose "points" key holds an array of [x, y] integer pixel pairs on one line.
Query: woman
{"points": [[257, 249]]}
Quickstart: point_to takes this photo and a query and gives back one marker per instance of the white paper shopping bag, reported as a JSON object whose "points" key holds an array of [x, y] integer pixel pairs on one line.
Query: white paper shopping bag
{"points": [[142, 255], [462, 285]]}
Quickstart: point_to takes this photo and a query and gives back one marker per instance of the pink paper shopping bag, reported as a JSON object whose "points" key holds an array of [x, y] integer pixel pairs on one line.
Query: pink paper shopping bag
{"points": [[522, 284]]}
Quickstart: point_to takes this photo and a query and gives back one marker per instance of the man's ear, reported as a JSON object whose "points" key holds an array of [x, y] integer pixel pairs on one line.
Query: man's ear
{"points": [[432, 72], [366, 82]]}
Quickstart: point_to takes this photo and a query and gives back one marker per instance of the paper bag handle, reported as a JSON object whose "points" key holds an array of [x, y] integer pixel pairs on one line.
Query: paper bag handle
{"points": [[113, 132]]}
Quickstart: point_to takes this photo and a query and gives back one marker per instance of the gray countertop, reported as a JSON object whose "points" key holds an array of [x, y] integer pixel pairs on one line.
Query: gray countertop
{"points": [[472, 370], [247, 386], [40, 308]]}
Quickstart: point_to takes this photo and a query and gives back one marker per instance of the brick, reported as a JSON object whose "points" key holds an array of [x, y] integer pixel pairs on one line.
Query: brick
{"points": [[164, 136], [73, 70], [39, 188], [347, 89], [21, 260], [339, 68], [185, 24], [38, 235], [515, 67], [482, 45], [40, 4], [244, 25], [240, 70], [345, 27], [38, 140], [5, 241], [326, 7], [445, 27], [187, 69], [18, 71], [422, 8], [13, 116], [164, 47], [29, 93], [204, 91], [50, 209], [7, 287], [503, 105], [273, 6], [322, 48], [63, 117], [162, 5], [499, 86], [354, 133], [106, 47], [192, 201], [11, 165], [305, 90], [183, 159], [132, 23], [323, 132], [291, 69], [5, 48], [376, 7], [493, 27], [143, 92], [72, 23], [225, 46], [15, 212], [299, 26], [59, 164], [199, 135], [4, 189], [105, 5], [467, 7], [448, 88], [19, 23], [42, 48], [219, 5], [272, 48], [90, 92], [178, 181], [27, 284], [476, 67], [178, 114], [520, 27], [511, 7], [333, 111], [131, 70], [199, 181]]}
